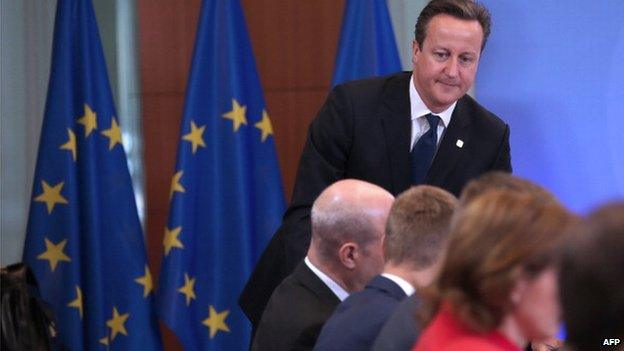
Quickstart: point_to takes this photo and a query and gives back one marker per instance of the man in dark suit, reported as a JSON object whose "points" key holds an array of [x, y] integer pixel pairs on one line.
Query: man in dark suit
{"points": [[400, 331], [416, 237], [387, 130], [348, 222]]}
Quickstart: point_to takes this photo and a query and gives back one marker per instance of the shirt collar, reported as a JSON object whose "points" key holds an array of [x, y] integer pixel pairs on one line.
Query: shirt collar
{"points": [[419, 109], [407, 287], [331, 284]]}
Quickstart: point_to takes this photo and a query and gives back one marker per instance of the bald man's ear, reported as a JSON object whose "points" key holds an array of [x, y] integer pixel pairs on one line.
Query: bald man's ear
{"points": [[348, 254]]}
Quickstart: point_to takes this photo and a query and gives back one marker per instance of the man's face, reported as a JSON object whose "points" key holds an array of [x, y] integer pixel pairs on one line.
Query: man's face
{"points": [[445, 66], [371, 259], [372, 262]]}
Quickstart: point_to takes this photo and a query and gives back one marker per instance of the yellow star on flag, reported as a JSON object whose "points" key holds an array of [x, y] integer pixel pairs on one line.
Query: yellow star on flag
{"points": [[77, 303], [51, 195], [175, 184], [171, 239], [54, 253], [196, 136], [146, 281], [265, 125], [70, 144], [89, 120], [113, 134], [237, 115], [104, 341], [188, 289], [116, 324], [216, 321]]}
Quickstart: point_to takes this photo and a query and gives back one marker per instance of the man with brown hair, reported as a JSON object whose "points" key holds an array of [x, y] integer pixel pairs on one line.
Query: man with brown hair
{"points": [[416, 236], [405, 129]]}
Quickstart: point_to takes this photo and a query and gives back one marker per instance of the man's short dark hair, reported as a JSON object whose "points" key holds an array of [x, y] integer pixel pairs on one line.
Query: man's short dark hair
{"points": [[592, 280], [417, 229], [461, 9]]}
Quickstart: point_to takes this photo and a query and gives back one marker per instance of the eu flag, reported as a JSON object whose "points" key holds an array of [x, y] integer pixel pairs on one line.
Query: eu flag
{"points": [[84, 240], [226, 192], [367, 46]]}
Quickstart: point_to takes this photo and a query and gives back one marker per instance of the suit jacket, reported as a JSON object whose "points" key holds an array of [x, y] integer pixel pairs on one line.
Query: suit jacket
{"points": [[400, 330], [358, 319], [295, 313], [363, 131]]}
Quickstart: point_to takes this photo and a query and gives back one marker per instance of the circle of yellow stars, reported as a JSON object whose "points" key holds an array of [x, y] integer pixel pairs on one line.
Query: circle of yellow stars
{"points": [[171, 240], [52, 196]]}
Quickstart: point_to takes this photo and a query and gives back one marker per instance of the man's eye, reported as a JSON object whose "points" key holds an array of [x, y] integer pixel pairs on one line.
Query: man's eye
{"points": [[466, 60], [440, 55]]}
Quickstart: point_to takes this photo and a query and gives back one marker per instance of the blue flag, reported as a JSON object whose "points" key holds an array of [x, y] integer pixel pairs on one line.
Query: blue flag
{"points": [[226, 192], [367, 46], [84, 240]]}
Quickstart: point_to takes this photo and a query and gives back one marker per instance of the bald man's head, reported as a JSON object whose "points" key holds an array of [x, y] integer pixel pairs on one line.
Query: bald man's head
{"points": [[348, 221]]}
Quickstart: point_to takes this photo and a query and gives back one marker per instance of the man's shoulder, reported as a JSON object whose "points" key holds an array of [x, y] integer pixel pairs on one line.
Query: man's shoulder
{"points": [[359, 318], [369, 300], [298, 302], [374, 86], [478, 114], [302, 281], [401, 329], [302, 289]]}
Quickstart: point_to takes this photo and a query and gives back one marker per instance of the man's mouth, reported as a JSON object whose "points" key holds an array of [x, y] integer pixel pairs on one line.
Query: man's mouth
{"points": [[449, 84]]}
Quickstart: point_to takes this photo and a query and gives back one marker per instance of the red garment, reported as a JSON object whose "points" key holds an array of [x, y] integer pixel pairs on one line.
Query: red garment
{"points": [[447, 333]]}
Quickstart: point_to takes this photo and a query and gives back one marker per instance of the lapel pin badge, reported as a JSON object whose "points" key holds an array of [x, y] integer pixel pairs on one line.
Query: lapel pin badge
{"points": [[459, 143]]}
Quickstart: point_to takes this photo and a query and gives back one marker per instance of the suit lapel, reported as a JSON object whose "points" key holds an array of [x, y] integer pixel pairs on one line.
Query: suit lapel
{"points": [[313, 283], [449, 151], [396, 122]]}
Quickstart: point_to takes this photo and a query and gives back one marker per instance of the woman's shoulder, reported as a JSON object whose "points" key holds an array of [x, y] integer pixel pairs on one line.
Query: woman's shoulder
{"points": [[486, 342]]}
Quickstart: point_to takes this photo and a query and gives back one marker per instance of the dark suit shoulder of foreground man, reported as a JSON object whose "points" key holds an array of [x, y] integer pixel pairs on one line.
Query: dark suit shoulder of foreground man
{"points": [[296, 312], [372, 129]]}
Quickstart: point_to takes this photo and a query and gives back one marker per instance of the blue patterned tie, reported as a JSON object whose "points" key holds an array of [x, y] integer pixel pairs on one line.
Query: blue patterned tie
{"points": [[422, 153]]}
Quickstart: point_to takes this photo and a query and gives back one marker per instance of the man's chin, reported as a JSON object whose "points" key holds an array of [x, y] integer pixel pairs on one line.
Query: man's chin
{"points": [[446, 101]]}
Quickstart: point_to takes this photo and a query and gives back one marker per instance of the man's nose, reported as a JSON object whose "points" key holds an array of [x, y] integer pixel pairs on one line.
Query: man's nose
{"points": [[452, 67]]}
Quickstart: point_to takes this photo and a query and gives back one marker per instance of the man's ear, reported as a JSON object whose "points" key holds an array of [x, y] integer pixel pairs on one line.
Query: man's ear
{"points": [[348, 254], [415, 52]]}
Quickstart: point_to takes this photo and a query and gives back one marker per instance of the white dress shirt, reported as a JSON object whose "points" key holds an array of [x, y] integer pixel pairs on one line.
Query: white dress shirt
{"points": [[419, 110], [331, 284]]}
